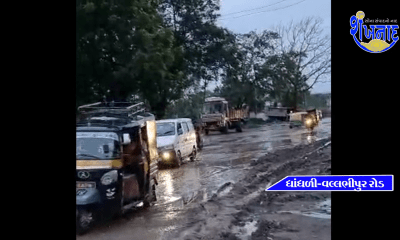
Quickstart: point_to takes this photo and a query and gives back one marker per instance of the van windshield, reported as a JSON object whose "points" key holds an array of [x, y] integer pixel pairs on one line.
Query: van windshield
{"points": [[165, 129], [97, 146]]}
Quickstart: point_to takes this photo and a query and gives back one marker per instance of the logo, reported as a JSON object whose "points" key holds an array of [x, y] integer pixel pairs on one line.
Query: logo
{"points": [[110, 193], [83, 174], [383, 36]]}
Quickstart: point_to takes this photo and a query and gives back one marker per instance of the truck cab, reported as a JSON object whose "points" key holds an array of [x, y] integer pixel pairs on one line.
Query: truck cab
{"points": [[218, 116]]}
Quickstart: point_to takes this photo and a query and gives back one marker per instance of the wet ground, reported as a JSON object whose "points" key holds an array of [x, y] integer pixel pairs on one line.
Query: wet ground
{"points": [[221, 194]]}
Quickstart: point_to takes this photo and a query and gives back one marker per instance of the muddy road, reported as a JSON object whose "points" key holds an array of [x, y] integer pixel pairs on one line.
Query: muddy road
{"points": [[220, 195]]}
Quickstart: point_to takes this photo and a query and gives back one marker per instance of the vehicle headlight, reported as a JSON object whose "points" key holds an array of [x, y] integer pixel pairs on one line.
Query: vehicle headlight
{"points": [[109, 177], [309, 122], [166, 155]]}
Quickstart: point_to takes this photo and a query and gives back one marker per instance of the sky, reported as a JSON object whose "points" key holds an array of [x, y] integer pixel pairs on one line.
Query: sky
{"points": [[243, 16]]}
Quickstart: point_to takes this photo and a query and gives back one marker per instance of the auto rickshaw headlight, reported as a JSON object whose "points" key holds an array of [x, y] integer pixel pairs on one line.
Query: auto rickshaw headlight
{"points": [[309, 122], [109, 177]]}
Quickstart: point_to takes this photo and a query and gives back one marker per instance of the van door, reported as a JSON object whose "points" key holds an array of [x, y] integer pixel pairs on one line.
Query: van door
{"points": [[192, 136], [181, 138], [186, 138]]}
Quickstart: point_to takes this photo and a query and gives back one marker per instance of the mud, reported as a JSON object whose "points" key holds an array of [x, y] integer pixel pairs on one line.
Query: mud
{"points": [[247, 211], [221, 195]]}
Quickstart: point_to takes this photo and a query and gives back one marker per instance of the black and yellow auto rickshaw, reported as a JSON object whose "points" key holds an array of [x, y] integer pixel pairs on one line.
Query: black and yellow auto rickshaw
{"points": [[116, 161]]}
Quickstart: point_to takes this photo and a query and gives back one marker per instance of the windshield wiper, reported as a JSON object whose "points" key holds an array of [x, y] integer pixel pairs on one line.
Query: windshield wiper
{"points": [[87, 155], [165, 133]]}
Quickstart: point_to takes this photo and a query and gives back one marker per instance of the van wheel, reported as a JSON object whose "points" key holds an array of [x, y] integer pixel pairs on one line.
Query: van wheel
{"points": [[193, 154], [178, 160]]}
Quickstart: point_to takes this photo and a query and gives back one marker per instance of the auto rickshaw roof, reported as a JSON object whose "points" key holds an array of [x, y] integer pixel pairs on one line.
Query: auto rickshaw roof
{"points": [[116, 115], [175, 120]]}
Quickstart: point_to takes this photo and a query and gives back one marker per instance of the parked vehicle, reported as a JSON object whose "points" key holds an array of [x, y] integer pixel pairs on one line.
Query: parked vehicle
{"points": [[218, 116], [279, 113], [176, 140], [116, 161]]}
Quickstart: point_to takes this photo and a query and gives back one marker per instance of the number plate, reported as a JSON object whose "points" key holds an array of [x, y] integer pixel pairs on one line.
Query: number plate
{"points": [[85, 185]]}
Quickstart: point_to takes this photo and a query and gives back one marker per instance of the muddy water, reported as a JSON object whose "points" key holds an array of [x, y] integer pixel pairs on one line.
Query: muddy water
{"points": [[221, 161]]}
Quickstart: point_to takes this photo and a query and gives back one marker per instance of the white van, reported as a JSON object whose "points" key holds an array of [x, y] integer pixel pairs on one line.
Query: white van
{"points": [[176, 140]]}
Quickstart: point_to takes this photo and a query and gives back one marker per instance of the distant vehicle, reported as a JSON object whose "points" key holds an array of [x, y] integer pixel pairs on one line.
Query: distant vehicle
{"points": [[280, 113], [309, 118], [176, 140], [116, 161], [218, 116], [297, 119]]}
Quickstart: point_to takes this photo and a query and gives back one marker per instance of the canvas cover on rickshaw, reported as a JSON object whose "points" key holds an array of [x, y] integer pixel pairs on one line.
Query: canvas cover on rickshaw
{"points": [[298, 116]]}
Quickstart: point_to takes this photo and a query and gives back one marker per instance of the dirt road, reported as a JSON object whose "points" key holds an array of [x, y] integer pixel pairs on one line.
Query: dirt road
{"points": [[221, 194]]}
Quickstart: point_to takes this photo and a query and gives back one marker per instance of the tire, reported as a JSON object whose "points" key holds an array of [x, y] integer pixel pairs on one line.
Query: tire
{"points": [[151, 195], [178, 159], [84, 220], [224, 129], [239, 127], [193, 154]]}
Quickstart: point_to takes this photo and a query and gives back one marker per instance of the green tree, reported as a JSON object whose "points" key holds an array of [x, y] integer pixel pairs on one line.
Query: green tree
{"points": [[283, 80], [249, 52], [302, 58], [194, 25], [123, 48]]}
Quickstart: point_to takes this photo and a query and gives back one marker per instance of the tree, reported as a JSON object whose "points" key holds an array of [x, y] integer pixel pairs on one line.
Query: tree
{"points": [[302, 58], [194, 25], [241, 84], [123, 48]]}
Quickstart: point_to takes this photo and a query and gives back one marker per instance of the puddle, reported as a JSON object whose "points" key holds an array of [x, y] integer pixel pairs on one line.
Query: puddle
{"points": [[224, 189], [172, 199], [245, 231], [319, 210]]}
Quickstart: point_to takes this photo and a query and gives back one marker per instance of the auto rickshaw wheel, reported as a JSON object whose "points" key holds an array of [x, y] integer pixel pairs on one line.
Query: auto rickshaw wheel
{"points": [[151, 195], [84, 220]]}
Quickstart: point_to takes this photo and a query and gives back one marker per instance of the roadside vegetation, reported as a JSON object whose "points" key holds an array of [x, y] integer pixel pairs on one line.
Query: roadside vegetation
{"points": [[167, 53]]}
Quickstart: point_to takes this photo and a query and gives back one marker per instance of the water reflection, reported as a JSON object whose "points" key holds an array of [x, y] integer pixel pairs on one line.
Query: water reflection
{"points": [[310, 139], [167, 180]]}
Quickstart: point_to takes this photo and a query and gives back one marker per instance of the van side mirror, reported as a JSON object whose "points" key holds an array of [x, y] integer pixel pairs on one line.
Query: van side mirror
{"points": [[126, 139], [180, 131]]}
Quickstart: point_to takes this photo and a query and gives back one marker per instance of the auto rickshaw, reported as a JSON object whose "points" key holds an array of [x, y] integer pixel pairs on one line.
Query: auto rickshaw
{"points": [[116, 161], [309, 118], [296, 119]]}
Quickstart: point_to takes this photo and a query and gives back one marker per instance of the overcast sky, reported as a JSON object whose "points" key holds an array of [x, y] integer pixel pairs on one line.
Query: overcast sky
{"points": [[243, 16]]}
